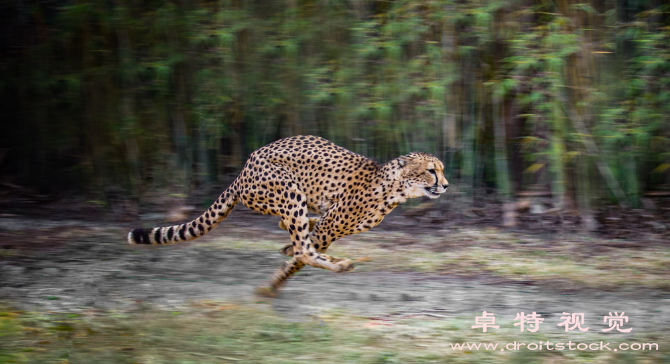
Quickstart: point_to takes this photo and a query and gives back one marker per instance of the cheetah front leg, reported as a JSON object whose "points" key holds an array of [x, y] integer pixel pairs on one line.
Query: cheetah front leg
{"points": [[306, 247], [307, 250], [294, 265]]}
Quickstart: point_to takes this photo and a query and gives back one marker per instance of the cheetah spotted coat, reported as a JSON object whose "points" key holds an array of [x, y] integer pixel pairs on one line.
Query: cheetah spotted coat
{"points": [[292, 176]]}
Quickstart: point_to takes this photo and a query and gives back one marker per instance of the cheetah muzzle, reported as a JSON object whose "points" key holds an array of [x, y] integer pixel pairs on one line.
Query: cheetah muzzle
{"points": [[294, 176]]}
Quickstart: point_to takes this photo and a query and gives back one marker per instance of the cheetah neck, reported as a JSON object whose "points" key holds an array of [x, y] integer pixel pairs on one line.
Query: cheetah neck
{"points": [[391, 185]]}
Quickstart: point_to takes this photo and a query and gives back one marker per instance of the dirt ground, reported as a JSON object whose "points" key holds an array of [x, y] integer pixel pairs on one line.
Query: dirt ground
{"points": [[73, 264]]}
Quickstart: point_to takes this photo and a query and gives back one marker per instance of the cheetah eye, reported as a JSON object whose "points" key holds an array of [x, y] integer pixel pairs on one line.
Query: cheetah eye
{"points": [[432, 171]]}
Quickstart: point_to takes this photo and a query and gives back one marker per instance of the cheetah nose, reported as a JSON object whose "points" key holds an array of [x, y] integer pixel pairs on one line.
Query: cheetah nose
{"points": [[445, 186]]}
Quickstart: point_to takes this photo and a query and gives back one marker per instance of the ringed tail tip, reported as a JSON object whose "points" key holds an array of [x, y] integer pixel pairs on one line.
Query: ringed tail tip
{"points": [[139, 236]]}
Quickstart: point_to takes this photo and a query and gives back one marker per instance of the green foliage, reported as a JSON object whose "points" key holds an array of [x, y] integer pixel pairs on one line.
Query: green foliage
{"points": [[636, 128], [132, 94]]}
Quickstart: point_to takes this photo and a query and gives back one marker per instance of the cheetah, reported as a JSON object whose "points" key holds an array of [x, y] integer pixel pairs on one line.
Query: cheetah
{"points": [[294, 176]]}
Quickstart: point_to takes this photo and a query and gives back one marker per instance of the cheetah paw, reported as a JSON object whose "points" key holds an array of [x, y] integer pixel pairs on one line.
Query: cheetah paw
{"points": [[266, 292], [345, 265]]}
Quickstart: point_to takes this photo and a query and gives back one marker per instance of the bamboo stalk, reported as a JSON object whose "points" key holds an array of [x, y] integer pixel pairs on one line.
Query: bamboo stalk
{"points": [[592, 149], [500, 140]]}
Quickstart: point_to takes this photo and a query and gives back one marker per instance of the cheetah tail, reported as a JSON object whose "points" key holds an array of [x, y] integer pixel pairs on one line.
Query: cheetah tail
{"points": [[192, 229]]}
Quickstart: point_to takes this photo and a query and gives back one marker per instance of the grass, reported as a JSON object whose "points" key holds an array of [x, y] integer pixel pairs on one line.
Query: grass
{"points": [[218, 332]]}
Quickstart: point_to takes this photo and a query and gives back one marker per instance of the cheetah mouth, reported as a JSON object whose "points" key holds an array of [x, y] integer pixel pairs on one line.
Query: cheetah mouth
{"points": [[432, 192]]}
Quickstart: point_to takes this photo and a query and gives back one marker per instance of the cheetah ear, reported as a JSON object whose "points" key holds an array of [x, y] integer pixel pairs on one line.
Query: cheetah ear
{"points": [[403, 160]]}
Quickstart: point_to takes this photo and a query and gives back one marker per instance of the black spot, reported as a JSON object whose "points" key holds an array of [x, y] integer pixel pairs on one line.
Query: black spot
{"points": [[191, 231], [170, 233], [200, 227], [182, 232], [157, 236]]}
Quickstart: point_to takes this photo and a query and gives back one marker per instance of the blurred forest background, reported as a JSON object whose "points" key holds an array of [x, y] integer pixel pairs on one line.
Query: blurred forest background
{"points": [[570, 99]]}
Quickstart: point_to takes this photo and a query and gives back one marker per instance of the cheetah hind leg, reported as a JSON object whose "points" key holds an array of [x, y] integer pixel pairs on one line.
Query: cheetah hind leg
{"points": [[280, 276], [288, 249]]}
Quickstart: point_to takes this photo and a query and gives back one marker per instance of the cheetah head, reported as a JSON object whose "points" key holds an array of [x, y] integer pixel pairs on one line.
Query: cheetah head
{"points": [[423, 175]]}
